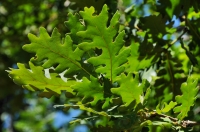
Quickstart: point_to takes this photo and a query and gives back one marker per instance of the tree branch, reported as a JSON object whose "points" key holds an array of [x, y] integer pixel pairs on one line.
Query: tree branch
{"points": [[174, 121], [179, 38]]}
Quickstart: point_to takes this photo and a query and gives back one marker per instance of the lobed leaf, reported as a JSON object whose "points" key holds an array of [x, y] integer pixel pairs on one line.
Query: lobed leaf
{"points": [[154, 25], [50, 51], [74, 25], [34, 79], [170, 77], [84, 108], [171, 7], [136, 61], [90, 89], [98, 35], [167, 107], [88, 3], [186, 100], [130, 89]]}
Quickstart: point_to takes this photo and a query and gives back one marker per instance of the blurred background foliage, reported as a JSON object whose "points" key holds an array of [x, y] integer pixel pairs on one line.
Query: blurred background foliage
{"points": [[23, 111]]}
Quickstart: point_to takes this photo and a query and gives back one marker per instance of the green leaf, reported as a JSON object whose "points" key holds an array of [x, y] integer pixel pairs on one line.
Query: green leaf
{"points": [[88, 3], [50, 51], [156, 27], [74, 25], [90, 89], [170, 76], [108, 39], [186, 100], [162, 124], [130, 89], [136, 61], [177, 7], [189, 54], [145, 53], [35, 79], [147, 95], [82, 107], [171, 7], [154, 24], [107, 86], [167, 107]]}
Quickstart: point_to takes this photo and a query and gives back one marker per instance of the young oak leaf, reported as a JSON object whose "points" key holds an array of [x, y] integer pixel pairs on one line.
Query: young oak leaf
{"points": [[54, 52], [189, 92], [130, 89], [34, 79], [90, 89], [108, 39]]}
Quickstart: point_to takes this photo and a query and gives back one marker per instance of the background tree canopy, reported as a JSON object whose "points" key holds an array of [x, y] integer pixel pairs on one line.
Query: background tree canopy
{"points": [[18, 18], [132, 65]]}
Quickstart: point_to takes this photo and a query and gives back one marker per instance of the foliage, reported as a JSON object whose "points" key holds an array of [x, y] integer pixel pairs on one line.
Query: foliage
{"points": [[18, 18], [187, 93], [108, 66]]}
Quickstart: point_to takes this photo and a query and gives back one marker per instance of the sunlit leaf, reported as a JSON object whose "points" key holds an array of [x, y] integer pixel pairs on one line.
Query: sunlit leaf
{"points": [[74, 24], [90, 89], [186, 100], [130, 89], [108, 39], [34, 79], [166, 108], [51, 51], [136, 61]]}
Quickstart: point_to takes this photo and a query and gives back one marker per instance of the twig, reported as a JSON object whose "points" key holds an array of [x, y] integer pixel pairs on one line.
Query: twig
{"points": [[175, 121], [178, 38]]}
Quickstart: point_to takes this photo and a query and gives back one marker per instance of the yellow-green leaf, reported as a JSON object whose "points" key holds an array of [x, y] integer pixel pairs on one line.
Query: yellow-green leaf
{"points": [[186, 100], [35, 79]]}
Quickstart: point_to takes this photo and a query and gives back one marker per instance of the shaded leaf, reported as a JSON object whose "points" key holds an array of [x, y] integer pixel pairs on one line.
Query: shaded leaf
{"points": [[189, 54], [107, 86], [170, 77], [88, 3], [178, 7], [156, 27], [154, 24]]}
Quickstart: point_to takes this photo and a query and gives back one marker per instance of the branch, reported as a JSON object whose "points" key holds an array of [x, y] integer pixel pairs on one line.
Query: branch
{"points": [[174, 121], [179, 38]]}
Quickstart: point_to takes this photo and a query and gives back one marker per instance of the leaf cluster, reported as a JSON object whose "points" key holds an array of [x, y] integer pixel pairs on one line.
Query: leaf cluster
{"points": [[107, 70]]}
